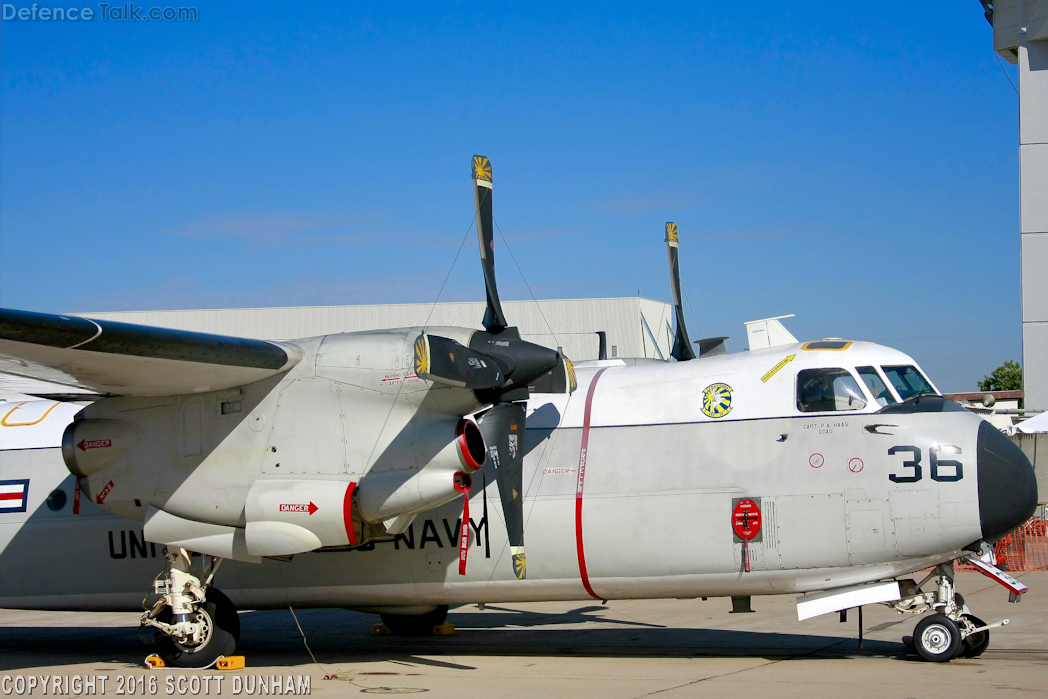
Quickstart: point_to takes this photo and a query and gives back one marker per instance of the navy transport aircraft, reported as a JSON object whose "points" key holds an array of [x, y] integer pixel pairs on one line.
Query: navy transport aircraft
{"points": [[356, 470]]}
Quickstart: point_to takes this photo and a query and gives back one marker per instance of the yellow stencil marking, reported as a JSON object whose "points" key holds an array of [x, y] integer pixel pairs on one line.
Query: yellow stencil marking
{"points": [[784, 362], [37, 421]]}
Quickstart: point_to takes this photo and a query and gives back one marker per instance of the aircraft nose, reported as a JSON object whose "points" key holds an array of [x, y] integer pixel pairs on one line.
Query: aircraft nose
{"points": [[1007, 485]]}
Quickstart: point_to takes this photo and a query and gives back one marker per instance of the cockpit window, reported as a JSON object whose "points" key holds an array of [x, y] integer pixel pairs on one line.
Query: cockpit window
{"points": [[824, 390], [908, 382], [873, 381]]}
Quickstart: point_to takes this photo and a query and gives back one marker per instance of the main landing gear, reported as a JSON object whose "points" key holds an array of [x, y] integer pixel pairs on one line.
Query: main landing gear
{"points": [[415, 624], [194, 624], [951, 631]]}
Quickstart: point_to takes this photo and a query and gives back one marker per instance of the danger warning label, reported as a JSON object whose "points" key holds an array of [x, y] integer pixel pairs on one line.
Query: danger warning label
{"points": [[310, 508]]}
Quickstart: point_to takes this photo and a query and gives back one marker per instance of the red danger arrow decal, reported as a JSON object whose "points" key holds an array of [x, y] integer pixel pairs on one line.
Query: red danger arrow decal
{"points": [[86, 444], [310, 508], [101, 497]]}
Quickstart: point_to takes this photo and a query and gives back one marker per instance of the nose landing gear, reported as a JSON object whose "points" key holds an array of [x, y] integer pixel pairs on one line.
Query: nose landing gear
{"points": [[952, 631], [937, 638], [194, 624]]}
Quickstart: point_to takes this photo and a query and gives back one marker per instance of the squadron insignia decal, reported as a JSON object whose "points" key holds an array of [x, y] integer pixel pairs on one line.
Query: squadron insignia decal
{"points": [[716, 400]]}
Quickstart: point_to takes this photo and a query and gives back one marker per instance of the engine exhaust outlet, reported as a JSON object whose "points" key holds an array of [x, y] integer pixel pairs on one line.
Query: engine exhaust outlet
{"points": [[471, 445]]}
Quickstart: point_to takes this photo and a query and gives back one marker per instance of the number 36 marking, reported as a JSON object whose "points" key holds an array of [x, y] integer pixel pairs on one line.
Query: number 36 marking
{"points": [[936, 464]]}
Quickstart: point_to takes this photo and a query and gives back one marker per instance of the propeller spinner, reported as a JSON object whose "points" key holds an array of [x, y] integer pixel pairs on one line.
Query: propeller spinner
{"points": [[499, 367]]}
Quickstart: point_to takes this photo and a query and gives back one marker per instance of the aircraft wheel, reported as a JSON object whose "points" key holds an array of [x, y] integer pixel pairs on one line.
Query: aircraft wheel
{"points": [[937, 638], [221, 637], [974, 645], [415, 624]]}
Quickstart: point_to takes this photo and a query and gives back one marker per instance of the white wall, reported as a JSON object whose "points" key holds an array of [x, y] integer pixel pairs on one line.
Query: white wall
{"points": [[1021, 36], [567, 323]]}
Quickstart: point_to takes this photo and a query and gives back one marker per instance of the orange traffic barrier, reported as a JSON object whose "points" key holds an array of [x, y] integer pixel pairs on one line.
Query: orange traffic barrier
{"points": [[1024, 550]]}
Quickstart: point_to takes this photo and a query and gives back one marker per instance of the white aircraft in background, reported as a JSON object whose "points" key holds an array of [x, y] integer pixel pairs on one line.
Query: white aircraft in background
{"points": [[330, 471]]}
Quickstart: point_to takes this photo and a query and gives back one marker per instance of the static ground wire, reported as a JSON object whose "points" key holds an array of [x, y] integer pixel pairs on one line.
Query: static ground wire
{"points": [[1003, 70], [521, 272], [400, 386], [344, 675], [693, 316], [448, 275]]}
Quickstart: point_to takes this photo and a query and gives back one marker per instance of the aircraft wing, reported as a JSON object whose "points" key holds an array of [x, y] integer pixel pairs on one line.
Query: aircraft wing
{"points": [[133, 360]]}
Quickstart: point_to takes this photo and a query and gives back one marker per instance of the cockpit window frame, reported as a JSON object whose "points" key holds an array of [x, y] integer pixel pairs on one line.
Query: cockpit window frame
{"points": [[884, 378], [920, 373], [871, 404]]}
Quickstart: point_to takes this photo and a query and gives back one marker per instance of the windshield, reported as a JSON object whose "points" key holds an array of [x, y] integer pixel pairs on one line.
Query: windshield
{"points": [[873, 381], [823, 390], [908, 382]]}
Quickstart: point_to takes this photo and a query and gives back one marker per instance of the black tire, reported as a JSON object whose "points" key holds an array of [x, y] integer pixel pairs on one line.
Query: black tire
{"points": [[221, 615], [415, 624], [937, 638], [974, 645]]}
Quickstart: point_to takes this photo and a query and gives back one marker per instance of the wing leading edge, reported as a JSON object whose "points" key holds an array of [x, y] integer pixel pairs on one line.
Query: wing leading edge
{"points": [[124, 359]]}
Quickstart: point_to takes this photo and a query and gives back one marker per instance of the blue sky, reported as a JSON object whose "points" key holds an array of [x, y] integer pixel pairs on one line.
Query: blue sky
{"points": [[858, 168]]}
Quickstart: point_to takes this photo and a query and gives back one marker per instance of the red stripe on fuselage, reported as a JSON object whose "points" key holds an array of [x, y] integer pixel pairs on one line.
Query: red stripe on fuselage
{"points": [[581, 481]]}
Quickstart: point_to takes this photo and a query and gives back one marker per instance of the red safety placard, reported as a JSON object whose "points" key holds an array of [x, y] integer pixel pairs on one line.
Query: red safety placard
{"points": [[746, 522], [746, 519]]}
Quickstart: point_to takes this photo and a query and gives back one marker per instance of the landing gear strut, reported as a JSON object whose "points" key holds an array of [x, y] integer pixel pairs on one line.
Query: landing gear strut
{"points": [[415, 624], [951, 631], [194, 624]]}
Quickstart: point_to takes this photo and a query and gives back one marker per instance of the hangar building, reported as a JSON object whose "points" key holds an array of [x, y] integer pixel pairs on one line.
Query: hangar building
{"points": [[635, 326]]}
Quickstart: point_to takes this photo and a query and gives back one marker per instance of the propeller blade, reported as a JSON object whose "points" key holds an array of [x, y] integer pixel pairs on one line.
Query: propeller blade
{"points": [[503, 430], [445, 361], [682, 350], [494, 319]]}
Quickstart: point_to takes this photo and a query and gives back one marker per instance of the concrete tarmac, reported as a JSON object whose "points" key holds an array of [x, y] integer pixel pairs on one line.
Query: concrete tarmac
{"points": [[628, 648]]}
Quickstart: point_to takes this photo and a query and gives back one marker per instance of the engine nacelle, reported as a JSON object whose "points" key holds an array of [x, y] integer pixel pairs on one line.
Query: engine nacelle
{"points": [[390, 494], [90, 445], [286, 516]]}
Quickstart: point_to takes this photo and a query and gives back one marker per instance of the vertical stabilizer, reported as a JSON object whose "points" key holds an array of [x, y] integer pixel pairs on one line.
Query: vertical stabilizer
{"points": [[768, 332]]}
